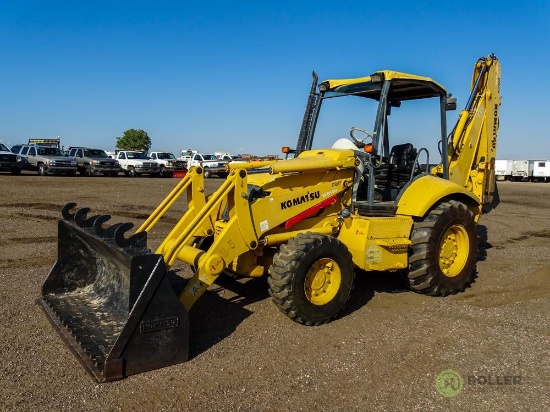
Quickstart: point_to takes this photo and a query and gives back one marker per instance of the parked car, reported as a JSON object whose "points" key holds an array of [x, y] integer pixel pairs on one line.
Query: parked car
{"points": [[167, 162], [209, 162], [46, 159], [136, 163], [9, 161], [90, 161]]}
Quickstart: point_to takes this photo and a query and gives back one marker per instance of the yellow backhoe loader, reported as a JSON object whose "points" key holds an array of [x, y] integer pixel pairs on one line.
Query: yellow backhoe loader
{"points": [[308, 223]]}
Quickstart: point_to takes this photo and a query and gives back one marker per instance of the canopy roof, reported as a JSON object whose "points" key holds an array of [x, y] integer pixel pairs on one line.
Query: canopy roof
{"points": [[404, 86]]}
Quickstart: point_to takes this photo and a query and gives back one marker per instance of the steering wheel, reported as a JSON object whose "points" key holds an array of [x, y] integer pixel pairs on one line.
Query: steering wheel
{"points": [[360, 142]]}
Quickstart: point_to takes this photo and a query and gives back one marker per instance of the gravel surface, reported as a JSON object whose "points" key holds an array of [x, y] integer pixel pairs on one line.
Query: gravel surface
{"points": [[384, 353]]}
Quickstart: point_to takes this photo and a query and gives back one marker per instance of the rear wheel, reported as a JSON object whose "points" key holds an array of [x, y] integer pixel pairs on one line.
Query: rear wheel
{"points": [[443, 250], [311, 278]]}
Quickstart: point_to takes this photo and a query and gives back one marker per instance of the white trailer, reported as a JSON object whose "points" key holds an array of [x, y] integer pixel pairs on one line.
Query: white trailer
{"points": [[541, 170], [503, 169], [522, 170]]}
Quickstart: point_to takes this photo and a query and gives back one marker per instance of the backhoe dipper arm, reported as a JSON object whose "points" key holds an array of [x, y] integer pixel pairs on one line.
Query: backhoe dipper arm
{"points": [[472, 147]]}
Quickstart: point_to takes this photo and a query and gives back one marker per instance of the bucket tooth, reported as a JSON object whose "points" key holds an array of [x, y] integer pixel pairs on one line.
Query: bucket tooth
{"points": [[98, 225], [109, 233], [134, 243], [80, 217], [120, 232], [66, 211]]}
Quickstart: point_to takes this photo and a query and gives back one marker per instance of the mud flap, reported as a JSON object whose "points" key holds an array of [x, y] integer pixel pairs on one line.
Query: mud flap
{"points": [[111, 300]]}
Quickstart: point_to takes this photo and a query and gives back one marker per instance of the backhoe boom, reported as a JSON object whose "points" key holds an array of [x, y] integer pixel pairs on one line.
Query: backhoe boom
{"points": [[472, 146]]}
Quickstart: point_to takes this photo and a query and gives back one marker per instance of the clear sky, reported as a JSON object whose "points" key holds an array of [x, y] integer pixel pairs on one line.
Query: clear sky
{"points": [[234, 76]]}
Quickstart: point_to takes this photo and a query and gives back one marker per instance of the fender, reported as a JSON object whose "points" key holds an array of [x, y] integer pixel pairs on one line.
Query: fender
{"points": [[420, 195]]}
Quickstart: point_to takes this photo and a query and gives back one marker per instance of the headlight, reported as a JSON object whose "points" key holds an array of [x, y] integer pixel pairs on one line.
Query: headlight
{"points": [[96, 162], [139, 164], [49, 162], [117, 164]]}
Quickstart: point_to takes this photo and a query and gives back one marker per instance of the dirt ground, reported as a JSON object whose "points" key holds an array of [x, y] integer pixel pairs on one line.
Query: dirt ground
{"points": [[384, 353]]}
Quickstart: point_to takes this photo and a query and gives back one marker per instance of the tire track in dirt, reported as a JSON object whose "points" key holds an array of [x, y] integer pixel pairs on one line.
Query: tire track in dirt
{"points": [[28, 240], [33, 217], [545, 234], [38, 205]]}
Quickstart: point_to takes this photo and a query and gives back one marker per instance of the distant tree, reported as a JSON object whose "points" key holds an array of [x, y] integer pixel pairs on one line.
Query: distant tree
{"points": [[133, 139]]}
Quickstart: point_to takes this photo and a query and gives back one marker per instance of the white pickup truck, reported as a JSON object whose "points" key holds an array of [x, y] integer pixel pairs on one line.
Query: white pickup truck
{"points": [[167, 161], [134, 163], [210, 163], [230, 158]]}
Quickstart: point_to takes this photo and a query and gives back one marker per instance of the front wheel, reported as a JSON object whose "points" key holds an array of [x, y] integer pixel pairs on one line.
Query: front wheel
{"points": [[443, 250], [207, 174], [311, 278], [132, 172], [42, 169]]}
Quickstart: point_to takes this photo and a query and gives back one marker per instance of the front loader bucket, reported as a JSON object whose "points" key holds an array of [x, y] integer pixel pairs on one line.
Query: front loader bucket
{"points": [[111, 300]]}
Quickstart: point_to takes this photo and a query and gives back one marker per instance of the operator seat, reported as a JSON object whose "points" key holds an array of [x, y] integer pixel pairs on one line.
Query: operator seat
{"points": [[396, 173], [402, 161]]}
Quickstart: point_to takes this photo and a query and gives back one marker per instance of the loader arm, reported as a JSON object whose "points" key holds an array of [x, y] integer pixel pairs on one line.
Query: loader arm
{"points": [[239, 223], [472, 144]]}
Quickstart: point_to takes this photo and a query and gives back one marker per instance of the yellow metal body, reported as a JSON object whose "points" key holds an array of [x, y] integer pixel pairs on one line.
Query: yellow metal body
{"points": [[262, 205], [386, 74], [244, 231], [377, 243], [427, 190], [246, 234], [472, 147]]}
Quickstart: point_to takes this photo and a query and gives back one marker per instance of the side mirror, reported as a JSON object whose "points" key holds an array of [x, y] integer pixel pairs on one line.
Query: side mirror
{"points": [[450, 103]]}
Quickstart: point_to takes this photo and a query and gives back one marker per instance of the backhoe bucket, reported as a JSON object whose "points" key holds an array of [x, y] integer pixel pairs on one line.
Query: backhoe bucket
{"points": [[111, 300]]}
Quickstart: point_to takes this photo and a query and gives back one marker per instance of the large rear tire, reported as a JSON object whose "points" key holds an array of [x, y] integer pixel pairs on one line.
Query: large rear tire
{"points": [[443, 250], [311, 278]]}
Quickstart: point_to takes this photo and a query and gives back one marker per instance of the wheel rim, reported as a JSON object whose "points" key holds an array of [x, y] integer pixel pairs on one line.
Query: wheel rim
{"points": [[454, 250], [322, 281]]}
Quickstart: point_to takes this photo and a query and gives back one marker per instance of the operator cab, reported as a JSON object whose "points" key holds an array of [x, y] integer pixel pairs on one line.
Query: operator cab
{"points": [[384, 169]]}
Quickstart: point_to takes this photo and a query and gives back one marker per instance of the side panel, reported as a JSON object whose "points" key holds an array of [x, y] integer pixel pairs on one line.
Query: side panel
{"points": [[425, 191], [378, 243]]}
